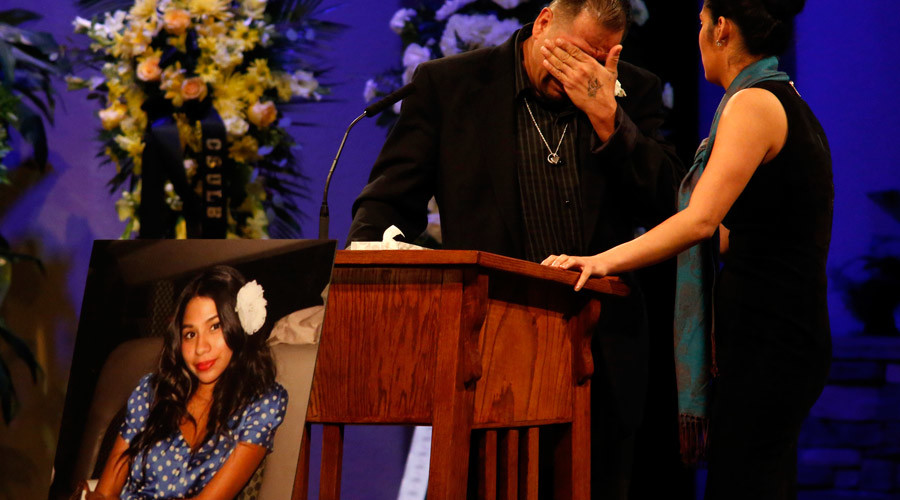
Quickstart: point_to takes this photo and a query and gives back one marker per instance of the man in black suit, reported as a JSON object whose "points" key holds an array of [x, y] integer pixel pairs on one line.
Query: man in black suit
{"points": [[529, 152]]}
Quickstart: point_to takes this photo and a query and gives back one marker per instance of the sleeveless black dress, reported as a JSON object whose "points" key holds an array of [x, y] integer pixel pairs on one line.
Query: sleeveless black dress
{"points": [[772, 336]]}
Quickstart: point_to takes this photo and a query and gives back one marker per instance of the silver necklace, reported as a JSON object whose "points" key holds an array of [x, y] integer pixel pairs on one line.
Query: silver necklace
{"points": [[553, 157]]}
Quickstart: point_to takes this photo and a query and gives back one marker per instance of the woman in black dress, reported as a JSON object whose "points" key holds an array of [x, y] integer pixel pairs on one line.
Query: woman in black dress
{"points": [[767, 187]]}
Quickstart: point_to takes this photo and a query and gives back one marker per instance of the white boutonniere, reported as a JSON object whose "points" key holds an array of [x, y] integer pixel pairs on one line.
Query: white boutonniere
{"points": [[251, 307], [620, 92]]}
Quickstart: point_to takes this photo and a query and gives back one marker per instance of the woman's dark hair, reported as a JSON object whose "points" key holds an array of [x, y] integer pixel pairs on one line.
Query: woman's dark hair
{"points": [[250, 373], [766, 25]]}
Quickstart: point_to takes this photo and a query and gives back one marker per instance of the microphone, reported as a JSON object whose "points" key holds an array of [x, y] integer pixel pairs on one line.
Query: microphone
{"points": [[390, 100], [370, 111]]}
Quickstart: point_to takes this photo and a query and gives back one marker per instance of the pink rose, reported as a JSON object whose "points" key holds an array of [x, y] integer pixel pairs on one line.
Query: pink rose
{"points": [[193, 88], [148, 70], [262, 114], [177, 21]]}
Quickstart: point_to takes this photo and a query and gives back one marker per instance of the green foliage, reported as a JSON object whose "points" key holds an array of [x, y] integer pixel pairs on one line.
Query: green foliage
{"points": [[8, 400], [29, 61]]}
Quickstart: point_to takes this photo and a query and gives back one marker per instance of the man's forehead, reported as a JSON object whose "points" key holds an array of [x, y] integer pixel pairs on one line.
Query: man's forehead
{"points": [[586, 33]]}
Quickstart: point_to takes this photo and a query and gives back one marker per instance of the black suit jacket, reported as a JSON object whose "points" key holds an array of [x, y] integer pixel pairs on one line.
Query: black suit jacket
{"points": [[456, 140]]}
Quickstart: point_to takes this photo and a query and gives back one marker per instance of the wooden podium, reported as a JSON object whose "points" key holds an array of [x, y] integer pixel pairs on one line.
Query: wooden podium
{"points": [[459, 340]]}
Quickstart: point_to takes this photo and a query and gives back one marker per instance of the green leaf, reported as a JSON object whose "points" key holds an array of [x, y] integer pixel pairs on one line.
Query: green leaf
{"points": [[7, 393], [15, 17], [22, 351], [32, 129], [126, 234], [23, 58], [17, 257], [7, 64], [46, 109]]}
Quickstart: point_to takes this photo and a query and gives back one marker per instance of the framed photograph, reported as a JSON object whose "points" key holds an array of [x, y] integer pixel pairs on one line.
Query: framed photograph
{"points": [[164, 321]]}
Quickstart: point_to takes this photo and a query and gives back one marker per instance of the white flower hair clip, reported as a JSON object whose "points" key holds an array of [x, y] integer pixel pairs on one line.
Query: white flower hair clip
{"points": [[251, 307]]}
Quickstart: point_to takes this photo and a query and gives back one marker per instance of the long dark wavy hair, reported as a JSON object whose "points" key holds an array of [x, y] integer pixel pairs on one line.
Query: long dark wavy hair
{"points": [[250, 373]]}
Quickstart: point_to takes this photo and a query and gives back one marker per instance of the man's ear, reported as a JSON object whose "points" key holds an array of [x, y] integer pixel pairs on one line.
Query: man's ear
{"points": [[542, 23]]}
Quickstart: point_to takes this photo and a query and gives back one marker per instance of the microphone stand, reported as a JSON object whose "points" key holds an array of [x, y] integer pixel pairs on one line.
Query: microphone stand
{"points": [[372, 110], [323, 211]]}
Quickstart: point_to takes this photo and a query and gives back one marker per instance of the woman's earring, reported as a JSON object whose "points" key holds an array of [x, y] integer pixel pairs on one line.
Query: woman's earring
{"points": [[719, 43]]}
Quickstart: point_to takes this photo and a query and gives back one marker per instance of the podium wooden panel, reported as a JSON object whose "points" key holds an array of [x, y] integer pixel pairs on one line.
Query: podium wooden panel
{"points": [[459, 340]]}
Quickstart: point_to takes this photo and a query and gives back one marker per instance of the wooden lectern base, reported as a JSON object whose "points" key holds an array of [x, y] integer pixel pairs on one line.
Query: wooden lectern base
{"points": [[461, 341]]}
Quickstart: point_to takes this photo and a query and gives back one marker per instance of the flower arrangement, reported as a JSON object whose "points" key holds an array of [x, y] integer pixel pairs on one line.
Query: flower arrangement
{"points": [[434, 29], [181, 59]]}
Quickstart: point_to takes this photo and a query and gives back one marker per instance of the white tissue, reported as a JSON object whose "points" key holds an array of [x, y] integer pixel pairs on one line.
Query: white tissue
{"points": [[388, 242]]}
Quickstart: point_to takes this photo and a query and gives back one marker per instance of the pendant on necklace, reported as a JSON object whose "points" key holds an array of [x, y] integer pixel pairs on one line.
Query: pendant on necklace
{"points": [[553, 158]]}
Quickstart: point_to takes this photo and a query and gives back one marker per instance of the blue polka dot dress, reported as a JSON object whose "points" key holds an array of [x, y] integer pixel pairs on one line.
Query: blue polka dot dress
{"points": [[169, 469]]}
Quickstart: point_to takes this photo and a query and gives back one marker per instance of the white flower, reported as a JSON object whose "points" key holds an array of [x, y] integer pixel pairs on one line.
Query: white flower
{"points": [[235, 125], [251, 307], [371, 89], [475, 31], [304, 84], [668, 96], [449, 7], [82, 25], [415, 54], [408, 74], [508, 4], [639, 12], [401, 17], [620, 92], [114, 23]]}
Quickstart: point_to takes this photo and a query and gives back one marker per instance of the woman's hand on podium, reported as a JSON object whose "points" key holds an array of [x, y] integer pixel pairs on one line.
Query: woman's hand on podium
{"points": [[589, 266]]}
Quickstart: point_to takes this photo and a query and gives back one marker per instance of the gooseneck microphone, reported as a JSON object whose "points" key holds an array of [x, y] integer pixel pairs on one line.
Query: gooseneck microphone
{"points": [[370, 111]]}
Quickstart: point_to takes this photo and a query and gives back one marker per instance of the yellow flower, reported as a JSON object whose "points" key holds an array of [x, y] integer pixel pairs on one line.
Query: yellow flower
{"points": [[135, 41], [232, 87], [134, 98], [208, 71], [191, 135], [253, 9], [208, 44], [211, 28], [257, 227], [143, 9], [125, 206], [172, 78], [112, 116], [259, 68], [247, 36], [253, 88], [244, 150], [132, 144], [211, 8], [228, 107], [283, 83], [181, 229]]}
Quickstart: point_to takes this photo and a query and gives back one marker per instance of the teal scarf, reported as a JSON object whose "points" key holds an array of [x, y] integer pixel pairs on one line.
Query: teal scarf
{"points": [[693, 328]]}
